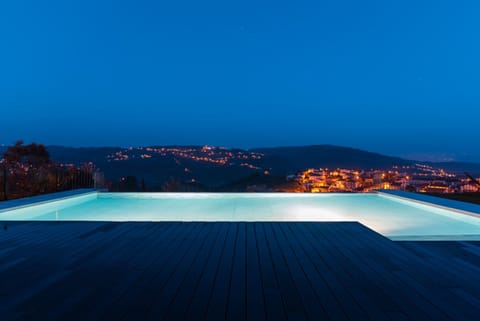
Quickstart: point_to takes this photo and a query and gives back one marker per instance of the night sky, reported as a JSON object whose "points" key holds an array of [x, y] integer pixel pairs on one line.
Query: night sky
{"points": [[395, 77]]}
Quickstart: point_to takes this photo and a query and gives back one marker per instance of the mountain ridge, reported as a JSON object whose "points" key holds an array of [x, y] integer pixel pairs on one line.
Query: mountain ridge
{"points": [[278, 161]]}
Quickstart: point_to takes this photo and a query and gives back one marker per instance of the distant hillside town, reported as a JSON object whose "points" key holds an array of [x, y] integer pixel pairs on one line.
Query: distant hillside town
{"points": [[417, 178], [309, 169]]}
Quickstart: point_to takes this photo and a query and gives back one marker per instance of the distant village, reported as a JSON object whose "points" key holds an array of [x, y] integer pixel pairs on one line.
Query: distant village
{"points": [[418, 178], [27, 170]]}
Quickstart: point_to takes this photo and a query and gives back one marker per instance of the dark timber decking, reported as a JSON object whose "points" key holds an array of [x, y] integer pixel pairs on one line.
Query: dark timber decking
{"points": [[231, 271]]}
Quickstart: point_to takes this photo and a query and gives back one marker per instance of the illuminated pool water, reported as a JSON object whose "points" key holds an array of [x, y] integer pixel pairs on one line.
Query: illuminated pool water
{"points": [[392, 217]]}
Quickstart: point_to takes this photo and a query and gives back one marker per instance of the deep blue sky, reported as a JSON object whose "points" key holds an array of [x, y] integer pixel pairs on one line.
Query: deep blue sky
{"points": [[397, 77]]}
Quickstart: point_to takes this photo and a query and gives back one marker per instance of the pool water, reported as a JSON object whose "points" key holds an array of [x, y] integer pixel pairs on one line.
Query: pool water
{"points": [[390, 216]]}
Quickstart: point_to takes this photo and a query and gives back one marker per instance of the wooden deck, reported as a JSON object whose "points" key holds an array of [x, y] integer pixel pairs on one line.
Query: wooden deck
{"points": [[231, 271]]}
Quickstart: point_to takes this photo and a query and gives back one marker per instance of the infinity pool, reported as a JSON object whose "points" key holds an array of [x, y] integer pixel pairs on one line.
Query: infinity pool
{"points": [[393, 217]]}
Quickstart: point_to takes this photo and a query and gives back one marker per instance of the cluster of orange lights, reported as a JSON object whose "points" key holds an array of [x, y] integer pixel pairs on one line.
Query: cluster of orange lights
{"points": [[206, 154], [348, 180]]}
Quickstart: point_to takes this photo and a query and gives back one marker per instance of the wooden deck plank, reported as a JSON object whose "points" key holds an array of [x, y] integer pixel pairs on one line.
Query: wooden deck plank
{"points": [[388, 292], [293, 303], [314, 307], [197, 308], [236, 306], [366, 293], [431, 280], [217, 306], [328, 263], [255, 302], [52, 256], [274, 302], [321, 277], [231, 271], [176, 308], [108, 289], [88, 275], [164, 286], [139, 296]]}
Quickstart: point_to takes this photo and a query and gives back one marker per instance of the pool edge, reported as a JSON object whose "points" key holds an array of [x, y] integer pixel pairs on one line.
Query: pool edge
{"points": [[427, 203], [43, 199]]}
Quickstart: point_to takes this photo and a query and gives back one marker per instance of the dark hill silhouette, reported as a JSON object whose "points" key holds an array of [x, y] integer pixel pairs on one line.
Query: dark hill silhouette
{"points": [[286, 159], [457, 167], [155, 171], [280, 161]]}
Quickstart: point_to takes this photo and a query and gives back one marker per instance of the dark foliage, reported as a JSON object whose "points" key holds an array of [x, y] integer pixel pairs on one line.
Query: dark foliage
{"points": [[27, 170]]}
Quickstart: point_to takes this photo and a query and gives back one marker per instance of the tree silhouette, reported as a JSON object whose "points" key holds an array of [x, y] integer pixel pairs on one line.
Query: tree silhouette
{"points": [[28, 170], [34, 155]]}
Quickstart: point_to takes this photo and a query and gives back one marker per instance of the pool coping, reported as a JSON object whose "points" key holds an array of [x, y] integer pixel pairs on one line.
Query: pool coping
{"points": [[15, 204], [441, 203]]}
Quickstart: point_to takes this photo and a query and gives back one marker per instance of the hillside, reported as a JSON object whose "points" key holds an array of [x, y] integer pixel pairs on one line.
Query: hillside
{"points": [[287, 159], [215, 166]]}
